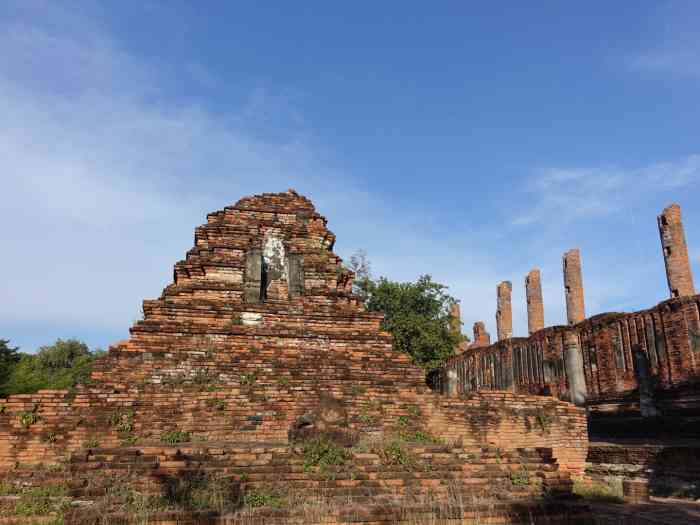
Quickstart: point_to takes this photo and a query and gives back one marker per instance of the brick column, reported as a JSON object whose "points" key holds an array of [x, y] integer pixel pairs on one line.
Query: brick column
{"points": [[678, 273], [535, 306], [481, 336], [504, 311], [455, 319], [573, 286]]}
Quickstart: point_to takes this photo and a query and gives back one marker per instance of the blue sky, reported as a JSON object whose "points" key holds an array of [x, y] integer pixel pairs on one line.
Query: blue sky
{"points": [[471, 142]]}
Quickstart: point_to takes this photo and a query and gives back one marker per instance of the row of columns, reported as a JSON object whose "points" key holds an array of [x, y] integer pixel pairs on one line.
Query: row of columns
{"points": [[680, 283], [573, 287], [678, 274]]}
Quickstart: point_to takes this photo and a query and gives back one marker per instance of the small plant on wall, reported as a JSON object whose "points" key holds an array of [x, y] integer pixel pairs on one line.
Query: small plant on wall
{"points": [[544, 420], [91, 442], [175, 436], [28, 418]]}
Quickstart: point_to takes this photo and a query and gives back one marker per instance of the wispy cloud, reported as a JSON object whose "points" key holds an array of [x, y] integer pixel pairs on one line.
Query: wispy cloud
{"points": [[105, 176], [677, 61], [567, 194], [677, 50]]}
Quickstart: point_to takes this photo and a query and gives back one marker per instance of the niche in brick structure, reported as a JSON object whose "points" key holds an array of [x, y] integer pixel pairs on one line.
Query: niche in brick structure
{"points": [[272, 274], [328, 419]]}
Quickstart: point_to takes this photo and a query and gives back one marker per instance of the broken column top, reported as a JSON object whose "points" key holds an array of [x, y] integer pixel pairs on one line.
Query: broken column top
{"points": [[675, 250], [573, 286], [504, 311], [481, 336], [455, 318], [535, 305]]}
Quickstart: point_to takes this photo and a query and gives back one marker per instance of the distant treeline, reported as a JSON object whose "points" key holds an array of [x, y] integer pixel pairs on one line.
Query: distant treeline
{"points": [[61, 365]]}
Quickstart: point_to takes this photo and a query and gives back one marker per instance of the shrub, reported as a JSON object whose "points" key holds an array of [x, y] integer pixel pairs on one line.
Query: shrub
{"points": [[520, 477], [204, 380], [420, 436], [91, 442], [27, 419], [394, 453], [129, 441], [40, 501], [122, 421], [358, 390], [414, 411], [6, 489], [544, 420], [175, 436], [366, 418], [598, 492], [201, 490], [261, 497], [249, 378], [323, 454]]}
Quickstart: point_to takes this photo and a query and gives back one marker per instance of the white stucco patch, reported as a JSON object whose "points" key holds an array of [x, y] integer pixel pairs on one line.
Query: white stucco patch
{"points": [[251, 318]]}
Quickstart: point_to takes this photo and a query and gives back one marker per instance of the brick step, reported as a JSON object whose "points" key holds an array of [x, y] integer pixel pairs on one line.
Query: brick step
{"points": [[363, 463]]}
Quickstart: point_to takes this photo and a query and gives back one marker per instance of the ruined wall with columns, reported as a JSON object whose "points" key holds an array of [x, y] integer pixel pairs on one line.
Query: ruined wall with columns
{"points": [[606, 361], [668, 334]]}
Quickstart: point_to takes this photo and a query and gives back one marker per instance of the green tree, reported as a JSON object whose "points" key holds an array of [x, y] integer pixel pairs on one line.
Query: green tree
{"points": [[418, 316], [58, 366], [9, 357]]}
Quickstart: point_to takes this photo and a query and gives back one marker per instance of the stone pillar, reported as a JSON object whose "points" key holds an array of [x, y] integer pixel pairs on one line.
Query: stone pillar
{"points": [[573, 286], [481, 336], [504, 311], [455, 319], [452, 382], [252, 278], [535, 306], [647, 407], [573, 360], [678, 273]]}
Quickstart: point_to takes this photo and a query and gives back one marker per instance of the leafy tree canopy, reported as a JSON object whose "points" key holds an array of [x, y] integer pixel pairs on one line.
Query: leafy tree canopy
{"points": [[58, 366], [418, 316], [8, 359]]}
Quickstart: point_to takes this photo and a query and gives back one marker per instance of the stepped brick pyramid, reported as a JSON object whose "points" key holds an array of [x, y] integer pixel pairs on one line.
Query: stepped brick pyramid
{"points": [[258, 344]]}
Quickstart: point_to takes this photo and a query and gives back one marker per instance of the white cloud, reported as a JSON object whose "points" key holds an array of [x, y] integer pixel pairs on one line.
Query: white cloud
{"points": [[104, 178], [567, 194]]}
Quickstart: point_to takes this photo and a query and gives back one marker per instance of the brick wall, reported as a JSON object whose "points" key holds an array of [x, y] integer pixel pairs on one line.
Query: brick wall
{"points": [[669, 335]]}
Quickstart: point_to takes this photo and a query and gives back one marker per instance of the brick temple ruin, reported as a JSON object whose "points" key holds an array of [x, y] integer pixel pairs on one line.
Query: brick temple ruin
{"points": [[259, 344], [604, 362]]}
